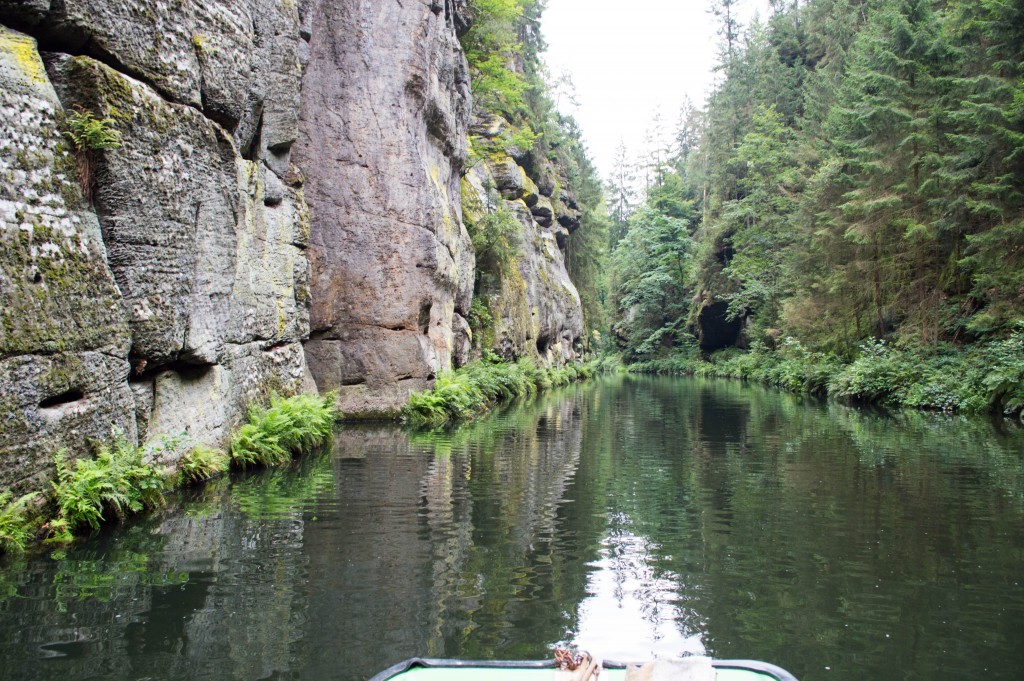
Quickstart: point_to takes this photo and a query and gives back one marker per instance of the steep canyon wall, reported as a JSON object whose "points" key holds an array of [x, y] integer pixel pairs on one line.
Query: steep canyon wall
{"points": [[283, 212], [384, 116]]}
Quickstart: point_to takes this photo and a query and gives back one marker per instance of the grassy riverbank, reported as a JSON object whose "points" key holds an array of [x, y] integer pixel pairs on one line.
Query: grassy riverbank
{"points": [[478, 386], [124, 478], [986, 377]]}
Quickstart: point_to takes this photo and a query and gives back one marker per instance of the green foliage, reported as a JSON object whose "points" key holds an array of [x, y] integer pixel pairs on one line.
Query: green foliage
{"points": [[1004, 379], [475, 388], [89, 133], [16, 525], [984, 377], [117, 481], [495, 238], [481, 322], [490, 45], [650, 277], [202, 463], [275, 434], [856, 184]]}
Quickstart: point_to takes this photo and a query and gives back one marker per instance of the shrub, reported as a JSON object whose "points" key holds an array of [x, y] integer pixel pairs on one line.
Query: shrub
{"points": [[874, 376], [16, 527], [1004, 382], [287, 427]]}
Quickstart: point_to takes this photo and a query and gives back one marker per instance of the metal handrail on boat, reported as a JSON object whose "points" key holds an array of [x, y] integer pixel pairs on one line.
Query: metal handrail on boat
{"points": [[758, 666]]}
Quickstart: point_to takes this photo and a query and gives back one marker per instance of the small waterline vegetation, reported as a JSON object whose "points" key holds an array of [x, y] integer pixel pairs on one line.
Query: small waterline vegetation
{"points": [[982, 378], [478, 386], [125, 479]]}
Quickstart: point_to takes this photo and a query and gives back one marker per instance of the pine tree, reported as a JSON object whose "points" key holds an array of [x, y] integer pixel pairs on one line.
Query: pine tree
{"points": [[621, 190]]}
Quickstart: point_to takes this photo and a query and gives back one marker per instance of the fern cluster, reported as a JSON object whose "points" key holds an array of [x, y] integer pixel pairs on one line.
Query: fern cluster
{"points": [[476, 387], [89, 133], [273, 435], [116, 480], [16, 526], [202, 463]]}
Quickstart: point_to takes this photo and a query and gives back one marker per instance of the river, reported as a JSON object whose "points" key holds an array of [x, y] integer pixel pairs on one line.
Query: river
{"points": [[632, 516]]}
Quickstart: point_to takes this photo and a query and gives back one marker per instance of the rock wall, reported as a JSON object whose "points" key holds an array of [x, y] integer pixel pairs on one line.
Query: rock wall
{"points": [[157, 286], [282, 210], [533, 306], [382, 145]]}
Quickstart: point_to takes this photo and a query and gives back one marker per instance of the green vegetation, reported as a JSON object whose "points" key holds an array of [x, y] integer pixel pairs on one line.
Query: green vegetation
{"points": [[89, 133], [983, 377], [855, 185], [118, 481], [509, 82], [274, 435], [478, 386], [490, 44], [16, 525], [495, 241], [115, 481], [202, 463]]}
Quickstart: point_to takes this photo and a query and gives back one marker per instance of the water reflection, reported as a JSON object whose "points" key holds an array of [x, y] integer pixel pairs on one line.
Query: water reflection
{"points": [[632, 611], [631, 516]]}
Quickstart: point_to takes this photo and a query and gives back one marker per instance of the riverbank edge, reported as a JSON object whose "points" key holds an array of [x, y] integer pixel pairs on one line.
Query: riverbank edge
{"points": [[117, 483], [983, 378], [480, 385]]}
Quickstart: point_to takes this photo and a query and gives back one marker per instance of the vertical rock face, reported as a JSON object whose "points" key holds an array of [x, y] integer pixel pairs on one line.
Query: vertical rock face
{"points": [[63, 340], [382, 142], [533, 303], [175, 289], [158, 285]]}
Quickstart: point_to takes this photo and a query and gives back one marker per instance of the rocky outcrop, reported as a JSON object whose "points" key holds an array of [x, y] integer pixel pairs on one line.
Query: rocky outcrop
{"points": [[533, 305], [158, 285], [280, 188], [63, 339], [382, 145]]}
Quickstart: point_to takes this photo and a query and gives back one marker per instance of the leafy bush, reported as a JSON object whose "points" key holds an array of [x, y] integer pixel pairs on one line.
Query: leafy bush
{"points": [[116, 480], [287, 427], [1004, 381], [494, 236], [16, 527], [875, 375]]}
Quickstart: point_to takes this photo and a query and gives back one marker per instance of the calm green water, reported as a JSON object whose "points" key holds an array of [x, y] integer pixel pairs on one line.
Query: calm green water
{"points": [[633, 516]]}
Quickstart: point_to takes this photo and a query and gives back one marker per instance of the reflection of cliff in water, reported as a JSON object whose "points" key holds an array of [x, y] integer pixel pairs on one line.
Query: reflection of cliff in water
{"points": [[440, 543]]}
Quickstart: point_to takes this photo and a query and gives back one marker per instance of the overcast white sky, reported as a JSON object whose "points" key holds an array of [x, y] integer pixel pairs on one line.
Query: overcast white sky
{"points": [[630, 59]]}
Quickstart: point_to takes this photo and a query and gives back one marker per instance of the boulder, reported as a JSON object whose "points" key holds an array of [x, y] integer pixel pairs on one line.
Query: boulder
{"points": [[542, 211], [509, 178]]}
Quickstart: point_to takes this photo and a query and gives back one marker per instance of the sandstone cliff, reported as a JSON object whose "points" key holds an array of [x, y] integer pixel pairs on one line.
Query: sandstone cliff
{"points": [[287, 188], [159, 286], [532, 307], [383, 143]]}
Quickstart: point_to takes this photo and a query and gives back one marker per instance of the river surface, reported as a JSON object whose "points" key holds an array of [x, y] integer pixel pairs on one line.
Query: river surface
{"points": [[632, 516]]}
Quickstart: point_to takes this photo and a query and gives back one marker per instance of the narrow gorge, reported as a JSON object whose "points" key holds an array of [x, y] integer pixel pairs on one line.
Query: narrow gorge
{"points": [[203, 203]]}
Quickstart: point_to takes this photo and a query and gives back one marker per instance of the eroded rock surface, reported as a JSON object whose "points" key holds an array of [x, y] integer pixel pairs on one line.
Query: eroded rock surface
{"points": [[158, 286], [533, 303], [382, 143], [63, 340]]}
